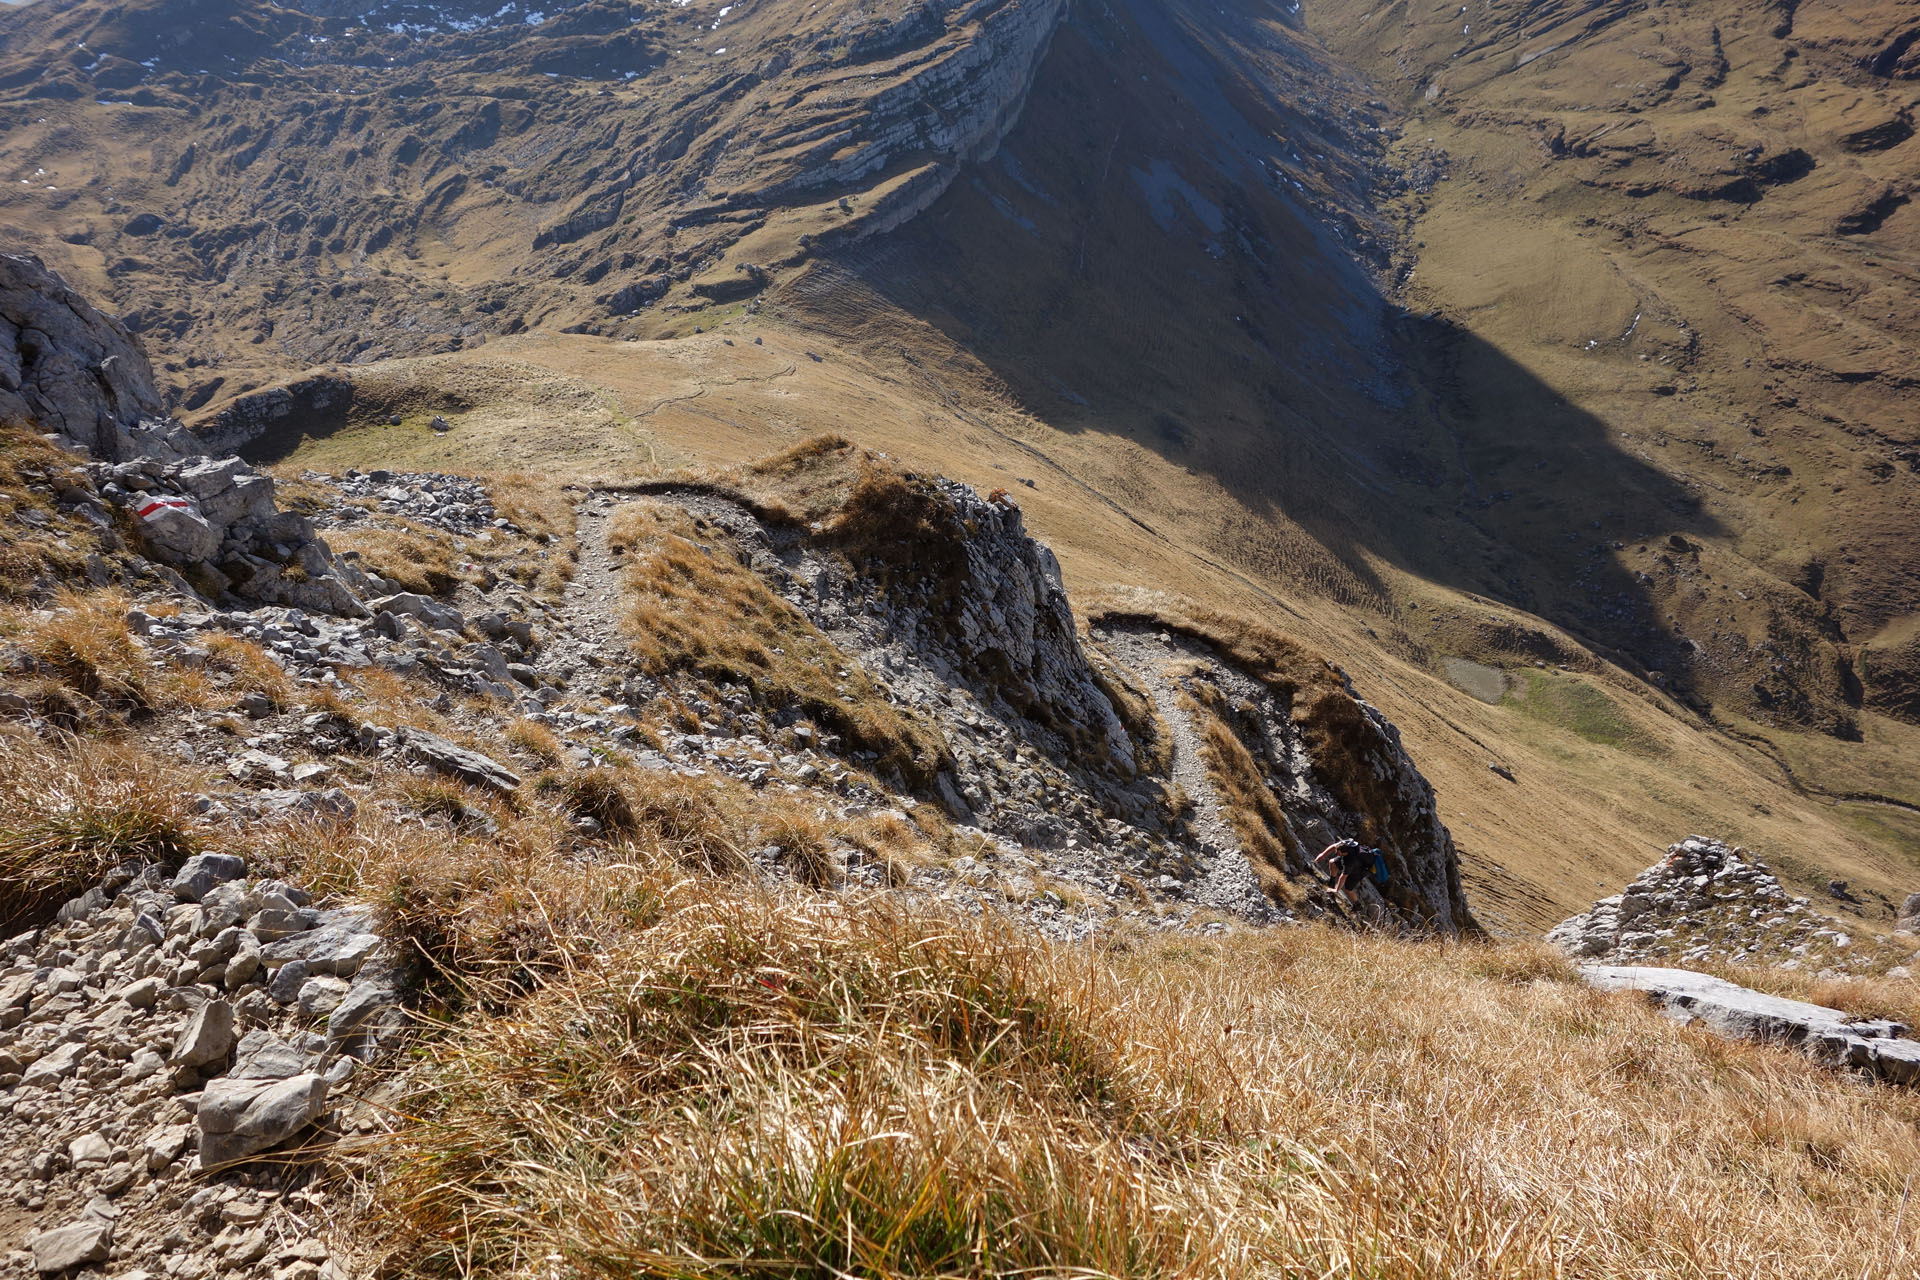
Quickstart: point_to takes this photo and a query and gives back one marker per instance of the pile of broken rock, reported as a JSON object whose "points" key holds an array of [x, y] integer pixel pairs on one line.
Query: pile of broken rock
{"points": [[162, 1028], [215, 519], [1705, 900]]}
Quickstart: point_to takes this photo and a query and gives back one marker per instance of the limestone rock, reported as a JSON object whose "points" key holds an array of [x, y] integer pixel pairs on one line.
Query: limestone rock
{"points": [[208, 1037], [1874, 1045], [176, 530], [440, 617], [239, 1118], [449, 757], [200, 873], [66, 366], [76, 1244], [54, 1065]]}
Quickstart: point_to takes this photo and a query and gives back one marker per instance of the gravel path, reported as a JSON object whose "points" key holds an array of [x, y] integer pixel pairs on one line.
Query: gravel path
{"points": [[1228, 881], [588, 624]]}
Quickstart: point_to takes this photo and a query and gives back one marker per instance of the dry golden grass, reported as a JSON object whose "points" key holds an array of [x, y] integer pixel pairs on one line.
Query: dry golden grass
{"points": [[389, 699], [83, 640], [250, 669], [56, 549], [536, 740], [72, 810], [414, 558], [743, 1084], [695, 609]]}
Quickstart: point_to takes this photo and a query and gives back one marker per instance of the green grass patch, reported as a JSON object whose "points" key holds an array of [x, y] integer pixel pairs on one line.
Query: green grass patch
{"points": [[1571, 703]]}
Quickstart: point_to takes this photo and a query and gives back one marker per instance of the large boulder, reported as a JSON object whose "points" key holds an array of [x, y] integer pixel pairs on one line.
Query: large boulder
{"points": [[240, 1118]]}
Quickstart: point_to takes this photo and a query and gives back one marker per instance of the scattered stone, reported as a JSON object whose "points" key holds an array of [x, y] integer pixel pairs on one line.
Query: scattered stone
{"points": [[439, 616], [208, 1037], [448, 757], [164, 1145], [90, 1149], [55, 1065], [77, 1244], [200, 873]]}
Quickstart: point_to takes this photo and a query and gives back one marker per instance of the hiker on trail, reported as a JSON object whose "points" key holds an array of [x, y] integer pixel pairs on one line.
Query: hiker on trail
{"points": [[1348, 862]]}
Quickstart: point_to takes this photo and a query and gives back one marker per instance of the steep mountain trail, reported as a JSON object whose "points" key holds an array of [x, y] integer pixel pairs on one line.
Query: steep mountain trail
{"points": [[1149, 656], [586, 629]]}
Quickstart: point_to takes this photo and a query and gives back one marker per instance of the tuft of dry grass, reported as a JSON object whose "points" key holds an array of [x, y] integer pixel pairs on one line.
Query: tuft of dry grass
{"points": [[893, 526], [597, 794], [250, 669], [71, 811], [82, 638], [697, 609], [536, 740], [414, 558]]}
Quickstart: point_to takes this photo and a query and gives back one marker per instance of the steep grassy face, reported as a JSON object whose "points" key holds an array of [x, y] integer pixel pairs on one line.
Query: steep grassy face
{"points": [[1690, 221], [696, 609]]}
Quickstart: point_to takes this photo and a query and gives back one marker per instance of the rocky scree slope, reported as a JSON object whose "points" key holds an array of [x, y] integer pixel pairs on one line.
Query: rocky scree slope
{"points": [[169, 1025], [1710, 900]]}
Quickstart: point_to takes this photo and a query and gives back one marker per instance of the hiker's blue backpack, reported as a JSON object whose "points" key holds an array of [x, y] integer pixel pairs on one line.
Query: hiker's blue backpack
{"points": [[1381, 876]]}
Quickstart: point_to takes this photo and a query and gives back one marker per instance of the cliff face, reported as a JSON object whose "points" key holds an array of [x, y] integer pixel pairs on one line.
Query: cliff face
{"points": [[65, 367]]}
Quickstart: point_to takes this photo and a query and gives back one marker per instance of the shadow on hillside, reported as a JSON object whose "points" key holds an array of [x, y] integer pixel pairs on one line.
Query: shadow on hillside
{"points": [[1141, 259]]}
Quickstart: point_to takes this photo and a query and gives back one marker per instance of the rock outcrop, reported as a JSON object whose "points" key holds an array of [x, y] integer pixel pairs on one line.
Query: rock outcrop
{"points": [[1875, 1046], [981, 598], [1705, 898], [80, 378], [1319, 786], [68, 369]]}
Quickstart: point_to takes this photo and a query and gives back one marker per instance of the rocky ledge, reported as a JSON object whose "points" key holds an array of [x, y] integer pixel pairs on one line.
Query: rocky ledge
{"points": [[1875, 1046]]}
